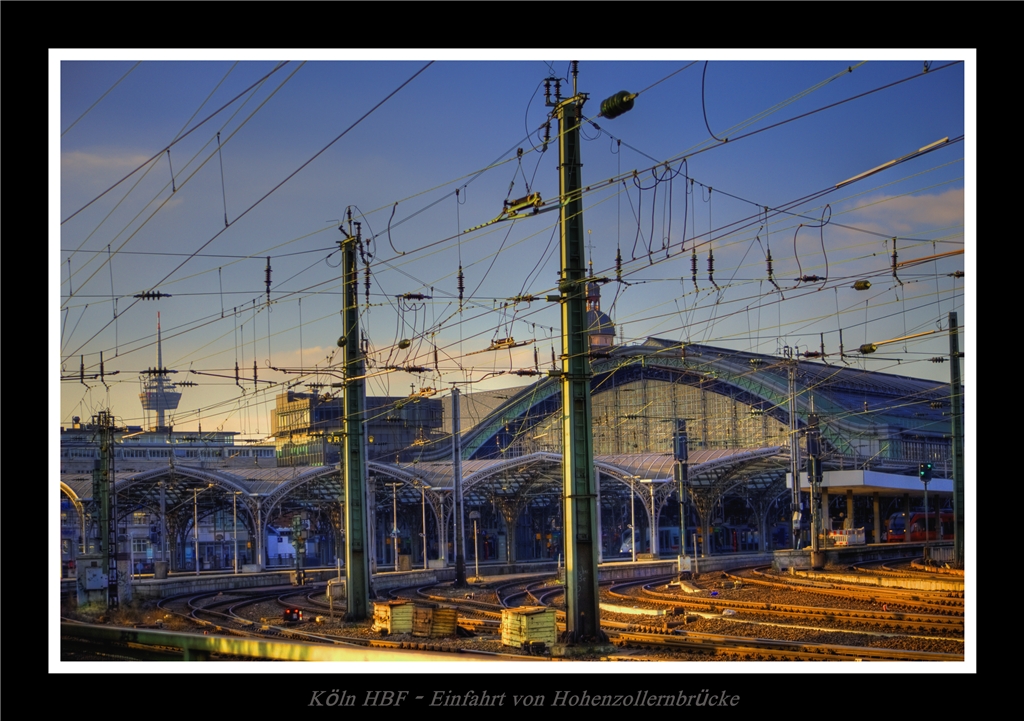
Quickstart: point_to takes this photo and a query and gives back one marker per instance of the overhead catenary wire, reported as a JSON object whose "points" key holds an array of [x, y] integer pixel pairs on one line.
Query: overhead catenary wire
{"points": [[192, 175], [286, 179], [97, 101], [175, 141], [492, 261]]}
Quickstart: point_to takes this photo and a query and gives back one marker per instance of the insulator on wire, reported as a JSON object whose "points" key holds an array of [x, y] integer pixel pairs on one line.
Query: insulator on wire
{"points": [[771, 272], [618, 264], [693, 267], [268, 279], [617, 104], [895, 265], [462, 284], [366, 276]]}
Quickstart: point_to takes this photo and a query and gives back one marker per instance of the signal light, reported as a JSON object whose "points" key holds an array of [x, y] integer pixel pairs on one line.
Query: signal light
{"points": [[924, 471]]}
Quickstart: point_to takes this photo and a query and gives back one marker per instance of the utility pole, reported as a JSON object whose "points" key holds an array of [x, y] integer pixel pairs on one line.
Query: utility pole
{"points": [[299, 544], [814, 479], [794, 444], [579, 489], [195, 527], [460, 534], [357, 559], [956, 401], [103, 482], [682, 468]]}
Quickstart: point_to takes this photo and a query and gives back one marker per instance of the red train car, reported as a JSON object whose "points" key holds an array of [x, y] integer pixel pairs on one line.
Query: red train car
{"points": [[939, 527]]}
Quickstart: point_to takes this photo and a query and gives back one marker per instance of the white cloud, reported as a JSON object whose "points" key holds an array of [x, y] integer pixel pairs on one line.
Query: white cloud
{"points": [[80, 162], [909, 214]]}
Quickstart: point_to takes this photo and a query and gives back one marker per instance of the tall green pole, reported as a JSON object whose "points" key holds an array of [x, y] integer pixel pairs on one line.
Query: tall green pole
{"points": [[956, 403], [104, 491], [579, 490], [814, 481], [681, 451], [357, 558]]}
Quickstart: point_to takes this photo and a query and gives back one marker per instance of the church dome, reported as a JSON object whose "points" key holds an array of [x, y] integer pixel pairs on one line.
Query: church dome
{"points": [[600, 328]]}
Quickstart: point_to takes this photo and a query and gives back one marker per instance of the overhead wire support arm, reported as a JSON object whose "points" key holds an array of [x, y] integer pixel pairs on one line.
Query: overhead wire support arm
{"points": [[920, 151]]}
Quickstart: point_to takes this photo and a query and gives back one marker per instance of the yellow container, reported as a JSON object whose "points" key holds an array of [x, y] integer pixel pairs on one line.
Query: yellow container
{"points": [[393, 616], [434, 622], [528, 624]]}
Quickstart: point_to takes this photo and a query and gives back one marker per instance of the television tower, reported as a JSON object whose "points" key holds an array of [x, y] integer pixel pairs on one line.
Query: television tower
{"points": [[159, 394]]}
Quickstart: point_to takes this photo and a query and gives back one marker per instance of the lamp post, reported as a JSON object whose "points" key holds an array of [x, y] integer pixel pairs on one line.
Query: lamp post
{"points": [[632, 515], [195, 523], [654, 511], [423, 501], [475, 515], [925, 473], [195, 529], [259, 529], [394, 522], [234, 527]]}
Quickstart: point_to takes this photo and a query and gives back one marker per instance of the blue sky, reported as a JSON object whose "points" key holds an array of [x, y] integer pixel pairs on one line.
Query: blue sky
{"points": [[467, 113]]}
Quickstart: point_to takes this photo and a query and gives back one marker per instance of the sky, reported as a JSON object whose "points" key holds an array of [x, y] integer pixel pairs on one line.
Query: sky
{"points": [[183, 176]]}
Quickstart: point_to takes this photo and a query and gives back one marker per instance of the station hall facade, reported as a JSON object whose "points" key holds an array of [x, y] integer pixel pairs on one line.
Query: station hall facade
{"points": [[223, 504]]}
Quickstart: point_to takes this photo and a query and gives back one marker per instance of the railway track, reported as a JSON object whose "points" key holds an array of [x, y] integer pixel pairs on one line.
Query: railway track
{"points": [[716, 623], [902, 622], [745, 649], [936, 602]]}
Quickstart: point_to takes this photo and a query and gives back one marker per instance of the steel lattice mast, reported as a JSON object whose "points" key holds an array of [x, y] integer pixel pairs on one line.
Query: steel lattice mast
{"points": [[357, 550], [583, 616]]}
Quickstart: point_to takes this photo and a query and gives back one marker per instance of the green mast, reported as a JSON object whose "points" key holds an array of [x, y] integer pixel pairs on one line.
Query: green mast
{"points": [[357, 547]]}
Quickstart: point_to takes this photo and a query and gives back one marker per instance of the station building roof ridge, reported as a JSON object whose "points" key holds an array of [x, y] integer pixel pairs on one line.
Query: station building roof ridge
{"points": [[857, 398]]}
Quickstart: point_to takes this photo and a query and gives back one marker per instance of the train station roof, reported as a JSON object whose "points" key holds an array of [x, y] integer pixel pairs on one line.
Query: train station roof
{"points": [[862, 482]]}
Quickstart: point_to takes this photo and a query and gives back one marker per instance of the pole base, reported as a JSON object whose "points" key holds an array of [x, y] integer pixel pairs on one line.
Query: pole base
{"points": [[565, 650], [817, 560]]}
